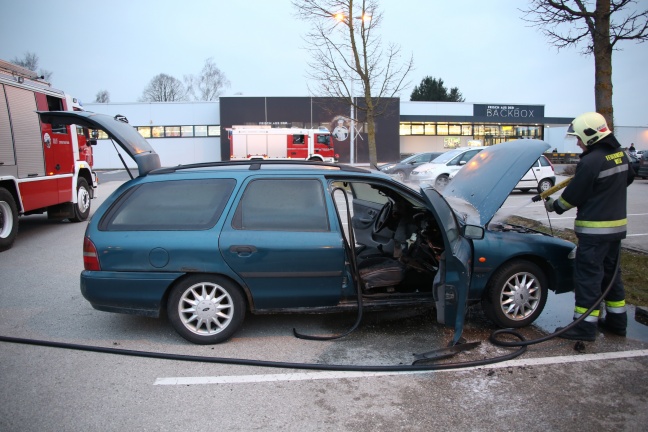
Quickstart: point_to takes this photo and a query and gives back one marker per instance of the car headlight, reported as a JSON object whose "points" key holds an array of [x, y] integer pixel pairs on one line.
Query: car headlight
{"points": [[386, 167]]}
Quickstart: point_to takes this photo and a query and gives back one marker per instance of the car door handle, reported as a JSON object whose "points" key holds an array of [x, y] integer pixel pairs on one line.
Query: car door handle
{"points": [[243, 250]]}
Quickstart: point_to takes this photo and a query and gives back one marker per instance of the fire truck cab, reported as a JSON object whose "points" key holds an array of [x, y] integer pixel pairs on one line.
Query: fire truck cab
{"points": [[44, 168], [258, 142]]}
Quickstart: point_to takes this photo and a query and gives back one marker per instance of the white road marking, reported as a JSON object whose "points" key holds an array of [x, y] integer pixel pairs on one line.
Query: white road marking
{"points": [[309, 376]]}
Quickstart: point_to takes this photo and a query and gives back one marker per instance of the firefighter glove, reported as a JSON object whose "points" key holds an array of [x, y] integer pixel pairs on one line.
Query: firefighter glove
{"points": [[549, 205]]}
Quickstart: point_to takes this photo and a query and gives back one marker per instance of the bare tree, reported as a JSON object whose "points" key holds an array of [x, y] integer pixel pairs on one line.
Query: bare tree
{"points": [[30, 61], [347, 56], [102, 97], [209, 85], [164, 88], [569, 22]]}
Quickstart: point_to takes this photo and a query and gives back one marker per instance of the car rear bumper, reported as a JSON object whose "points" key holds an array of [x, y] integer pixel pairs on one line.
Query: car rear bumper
{"points": [[135, 293]]}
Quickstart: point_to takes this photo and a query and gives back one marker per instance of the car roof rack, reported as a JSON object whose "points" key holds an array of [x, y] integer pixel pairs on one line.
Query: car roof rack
{"points": [[256, 165]]}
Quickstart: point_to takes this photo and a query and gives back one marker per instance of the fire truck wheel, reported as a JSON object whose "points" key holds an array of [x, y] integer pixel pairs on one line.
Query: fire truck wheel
{"points": [[82, 207], [8, 219]]}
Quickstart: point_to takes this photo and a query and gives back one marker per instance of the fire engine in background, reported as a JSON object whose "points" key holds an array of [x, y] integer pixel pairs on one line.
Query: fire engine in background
{"points": [[258, 142], [43, 167]]}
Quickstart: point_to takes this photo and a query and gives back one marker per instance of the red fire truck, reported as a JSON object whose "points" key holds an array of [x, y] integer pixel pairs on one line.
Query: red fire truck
{"points": [[43, 167], [257, 142]]}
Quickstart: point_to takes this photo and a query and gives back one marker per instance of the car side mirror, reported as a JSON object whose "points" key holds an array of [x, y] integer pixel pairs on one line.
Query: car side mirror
{"points": [[473, 232], [463, 162]]}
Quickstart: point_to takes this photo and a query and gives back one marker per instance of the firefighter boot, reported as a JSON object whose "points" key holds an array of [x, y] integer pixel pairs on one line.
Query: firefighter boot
{"points": [[615, 323], [583, 331]]}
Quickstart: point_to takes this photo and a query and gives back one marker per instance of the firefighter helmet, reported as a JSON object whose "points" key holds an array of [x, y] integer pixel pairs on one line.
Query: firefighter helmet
{"points": [[590, 127]]}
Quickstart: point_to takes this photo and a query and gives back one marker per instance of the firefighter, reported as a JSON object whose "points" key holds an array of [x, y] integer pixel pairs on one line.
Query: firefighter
{"points": [[598, 190]]}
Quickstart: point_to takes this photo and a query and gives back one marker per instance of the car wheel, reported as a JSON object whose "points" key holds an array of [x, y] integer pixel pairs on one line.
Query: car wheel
{"points": [[401, 175], [441, 182], [82, 207], [544, 185], [8, 219], [516, 294], [206, 309]]}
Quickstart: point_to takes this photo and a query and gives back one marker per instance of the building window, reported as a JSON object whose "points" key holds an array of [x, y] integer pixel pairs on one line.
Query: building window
{"points": [[145, 131], [186, 131], [466, 129], [442, 128], [405, 129], [200, 131], [454, 129], [430, 128], [157, 132], [418, 129], [213, 130], [171, 131]]}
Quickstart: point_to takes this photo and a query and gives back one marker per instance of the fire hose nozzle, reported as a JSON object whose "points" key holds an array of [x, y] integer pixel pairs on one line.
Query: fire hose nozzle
{"points": [[552, 190]]}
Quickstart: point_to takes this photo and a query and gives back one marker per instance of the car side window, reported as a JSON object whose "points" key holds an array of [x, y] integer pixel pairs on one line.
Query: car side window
{"points": [[170, 206], [365, 192], [469, 155], [282, 205], [543, 161]]}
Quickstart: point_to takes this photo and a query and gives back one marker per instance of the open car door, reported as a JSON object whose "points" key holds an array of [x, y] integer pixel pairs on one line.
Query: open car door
{"points": [[120, 131], [452, 281]]}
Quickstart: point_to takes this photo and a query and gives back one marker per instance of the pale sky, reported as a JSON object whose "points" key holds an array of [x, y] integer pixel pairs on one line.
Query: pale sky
{"points": [[482, 47]]}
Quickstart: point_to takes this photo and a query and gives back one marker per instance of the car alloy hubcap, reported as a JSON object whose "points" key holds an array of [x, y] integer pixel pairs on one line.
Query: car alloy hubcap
{"points": [[206, 309], [520, 296]]}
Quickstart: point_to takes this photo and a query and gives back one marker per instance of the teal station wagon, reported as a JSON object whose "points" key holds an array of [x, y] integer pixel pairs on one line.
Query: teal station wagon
{"points": [[208, 243]]}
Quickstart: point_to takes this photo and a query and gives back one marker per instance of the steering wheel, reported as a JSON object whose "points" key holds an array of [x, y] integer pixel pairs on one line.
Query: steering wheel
{"points": [[383, 216]]}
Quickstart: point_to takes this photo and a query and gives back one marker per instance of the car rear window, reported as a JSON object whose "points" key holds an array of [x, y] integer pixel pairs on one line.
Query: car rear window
{"points": [[282, 205], [170, 205]]}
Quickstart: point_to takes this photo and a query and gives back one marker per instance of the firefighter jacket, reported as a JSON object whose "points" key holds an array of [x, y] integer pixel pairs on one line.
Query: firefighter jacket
{"points": [[598, 191]]}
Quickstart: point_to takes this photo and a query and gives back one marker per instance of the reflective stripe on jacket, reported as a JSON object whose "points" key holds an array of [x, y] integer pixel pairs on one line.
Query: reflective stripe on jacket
{"points": [[598, 191]]}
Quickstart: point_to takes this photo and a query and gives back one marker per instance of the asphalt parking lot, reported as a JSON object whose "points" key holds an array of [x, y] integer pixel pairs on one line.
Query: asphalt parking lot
{"points": [[550, 387]]}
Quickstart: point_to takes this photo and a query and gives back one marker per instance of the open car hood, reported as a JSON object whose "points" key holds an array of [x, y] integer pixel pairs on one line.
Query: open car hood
{"points": [[121, 132], [480, 187]]}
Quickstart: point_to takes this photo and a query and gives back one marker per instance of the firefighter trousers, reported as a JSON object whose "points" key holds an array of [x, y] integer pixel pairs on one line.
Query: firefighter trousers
{"points": [[595, 264]]}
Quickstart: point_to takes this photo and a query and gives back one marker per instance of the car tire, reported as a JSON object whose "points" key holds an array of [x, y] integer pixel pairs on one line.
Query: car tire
{"points": [[206, 309], [442, 181], [545, 184], [8, 219], [82, 206], [401, 175], [516, 294]]}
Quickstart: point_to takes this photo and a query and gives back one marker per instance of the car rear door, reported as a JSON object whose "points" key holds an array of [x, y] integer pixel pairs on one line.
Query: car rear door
{"points": [[283, 240]]}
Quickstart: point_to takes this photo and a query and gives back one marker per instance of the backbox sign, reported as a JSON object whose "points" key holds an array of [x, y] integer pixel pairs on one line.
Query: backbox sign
{"points": [[513, 112]]}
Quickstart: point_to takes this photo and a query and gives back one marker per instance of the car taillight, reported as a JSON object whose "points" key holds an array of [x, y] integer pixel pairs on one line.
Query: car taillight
{"points": [[550, 164], [90, 258]]}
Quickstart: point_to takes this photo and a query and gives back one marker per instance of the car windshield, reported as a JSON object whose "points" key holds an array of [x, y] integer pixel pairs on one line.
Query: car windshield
{"points": [[447, 156], [409, 158]]}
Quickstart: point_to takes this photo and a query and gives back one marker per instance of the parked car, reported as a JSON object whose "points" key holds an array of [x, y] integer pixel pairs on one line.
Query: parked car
{"points": [[207, 243], [401, 170], [540, 177], [635, 163], [643, 168], [438, 171]]}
